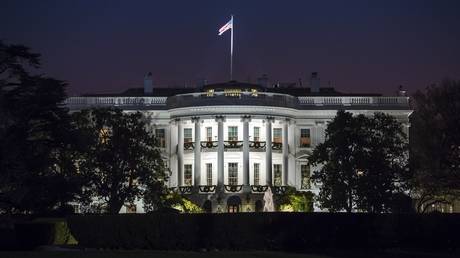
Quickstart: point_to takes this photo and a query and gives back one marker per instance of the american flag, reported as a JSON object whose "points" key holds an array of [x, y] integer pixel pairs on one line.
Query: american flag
{"points": [[227, 26]]}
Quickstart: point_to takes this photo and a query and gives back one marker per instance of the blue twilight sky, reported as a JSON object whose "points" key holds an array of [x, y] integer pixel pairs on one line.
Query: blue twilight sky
{"points": [[359, 46]]}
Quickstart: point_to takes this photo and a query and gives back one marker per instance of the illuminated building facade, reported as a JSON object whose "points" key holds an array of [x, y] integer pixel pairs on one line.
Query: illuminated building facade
{"points": [[226, 143]]}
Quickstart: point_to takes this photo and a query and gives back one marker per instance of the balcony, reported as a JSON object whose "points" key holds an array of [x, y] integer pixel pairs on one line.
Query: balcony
{"points": [[221, 99], [255, 146], [233, 145], [127, 103], [277, 146], [233, 188], [189, 146], [305, 142], [207, 188], [208, 145], [367, 102], [245, 98]]}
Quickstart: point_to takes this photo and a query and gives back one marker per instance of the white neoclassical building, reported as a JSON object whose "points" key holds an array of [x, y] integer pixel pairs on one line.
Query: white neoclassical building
{"points": [[226, 143]]}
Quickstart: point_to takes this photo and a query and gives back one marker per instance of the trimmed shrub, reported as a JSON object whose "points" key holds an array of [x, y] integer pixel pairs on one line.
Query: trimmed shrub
{"points": [[27, 234], [266, 231]]}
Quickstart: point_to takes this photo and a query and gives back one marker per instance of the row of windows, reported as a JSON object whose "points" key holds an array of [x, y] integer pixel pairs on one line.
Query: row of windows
{"points": [[233, 174], [305, 140]]}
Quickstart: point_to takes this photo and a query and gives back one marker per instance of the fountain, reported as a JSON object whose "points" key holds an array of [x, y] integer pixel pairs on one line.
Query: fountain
{"points": [[268, 200]]}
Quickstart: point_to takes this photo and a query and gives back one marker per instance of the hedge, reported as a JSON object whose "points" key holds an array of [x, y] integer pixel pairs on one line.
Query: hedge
{"points": [[28, 234], [266, 231]]}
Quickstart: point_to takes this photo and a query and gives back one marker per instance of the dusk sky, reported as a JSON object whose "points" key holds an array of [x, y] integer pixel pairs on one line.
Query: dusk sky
{"points": [[360, 46]]}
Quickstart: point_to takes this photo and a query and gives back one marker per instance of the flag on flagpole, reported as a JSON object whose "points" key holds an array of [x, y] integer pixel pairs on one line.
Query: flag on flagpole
{"points": [[227, 26]]}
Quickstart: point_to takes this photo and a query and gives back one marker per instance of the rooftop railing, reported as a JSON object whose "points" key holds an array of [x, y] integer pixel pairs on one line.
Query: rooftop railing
{"points": [[244, 98], [354, 101], [124, 102], [225, 98]]}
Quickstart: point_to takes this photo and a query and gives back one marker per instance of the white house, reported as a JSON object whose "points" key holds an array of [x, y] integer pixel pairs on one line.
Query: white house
{"points": [[225, 143]]}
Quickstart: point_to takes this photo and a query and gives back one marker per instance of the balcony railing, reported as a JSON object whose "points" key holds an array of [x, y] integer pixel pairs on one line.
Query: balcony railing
{"points": [[257, 145], [207, 188], [122, 102], [189, 145], [209, 144], [354, 101], [277, 146], [233, 144], [233, 188], [259, 188], [245, 98]]}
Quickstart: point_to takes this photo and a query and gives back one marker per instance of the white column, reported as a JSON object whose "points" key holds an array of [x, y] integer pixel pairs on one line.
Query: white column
{"points": [[268, 150], [246, 185], [285, 152], [220, 153], [180, 152], [197, 151]]}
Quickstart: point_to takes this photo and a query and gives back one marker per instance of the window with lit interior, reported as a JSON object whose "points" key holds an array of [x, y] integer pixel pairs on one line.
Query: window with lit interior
{"points": [[256, 173], [305, 176], [277, 174], [277, 135], [232, 173], [305, 140], [209, 134], [256, 134], [187, 135], [209, 173], [233, 133], [161, 138], [188, 174]]}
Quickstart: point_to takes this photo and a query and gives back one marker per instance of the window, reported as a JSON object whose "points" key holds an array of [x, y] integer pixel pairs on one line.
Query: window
{"points": [[131, 208], [256, 134], [305, 176], [232, 92], [209, 134], [104, 135], [187, 135], [305, 140], [277, 135], [209, 173], [256, 173], [188, 174], [210, 93], [233, 133], [232, 173], [277, 174], [161, 138]]}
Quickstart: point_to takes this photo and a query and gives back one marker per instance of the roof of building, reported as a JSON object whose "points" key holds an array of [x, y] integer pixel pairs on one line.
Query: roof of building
{"points": [[286, 88], [233, 85]]}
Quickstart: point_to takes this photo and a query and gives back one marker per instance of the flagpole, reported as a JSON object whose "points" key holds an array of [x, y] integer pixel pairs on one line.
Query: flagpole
{"points": [[231, 51]]}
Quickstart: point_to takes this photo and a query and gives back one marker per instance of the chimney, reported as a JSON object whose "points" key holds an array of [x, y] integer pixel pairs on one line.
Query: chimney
{"points": [[201, 83], [315, 82], [401, 91], [148, 84], [263, 81]]}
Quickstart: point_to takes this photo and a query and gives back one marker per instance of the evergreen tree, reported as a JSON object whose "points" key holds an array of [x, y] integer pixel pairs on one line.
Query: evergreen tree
{"points": [[33, 130]]}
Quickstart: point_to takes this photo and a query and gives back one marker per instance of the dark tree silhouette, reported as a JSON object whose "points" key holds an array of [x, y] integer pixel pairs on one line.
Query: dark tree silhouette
{"points": [[361, 164], [119, 157], [33, 127], [435, 144]]}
